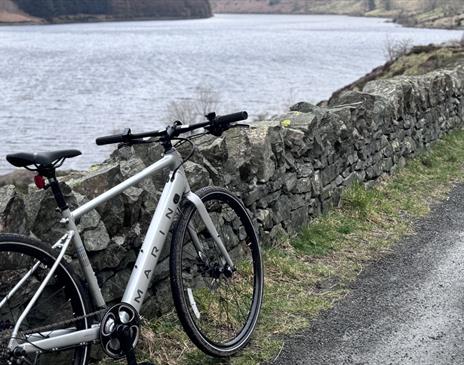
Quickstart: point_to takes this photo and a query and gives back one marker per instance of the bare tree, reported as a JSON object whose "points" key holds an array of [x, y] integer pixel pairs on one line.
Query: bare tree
{"points": [[204, 101], [183, 110], [397, 48], [207, 99]]}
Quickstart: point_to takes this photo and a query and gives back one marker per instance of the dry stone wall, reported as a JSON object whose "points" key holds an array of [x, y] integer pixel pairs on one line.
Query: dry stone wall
{"points": [[287, 170]]}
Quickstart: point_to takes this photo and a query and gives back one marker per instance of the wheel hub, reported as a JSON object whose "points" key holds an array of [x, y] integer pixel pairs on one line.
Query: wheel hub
{"points": [[216, 271]]}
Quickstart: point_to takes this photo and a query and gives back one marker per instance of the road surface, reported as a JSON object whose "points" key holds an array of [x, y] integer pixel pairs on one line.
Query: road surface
{"points": [[407, 308]]}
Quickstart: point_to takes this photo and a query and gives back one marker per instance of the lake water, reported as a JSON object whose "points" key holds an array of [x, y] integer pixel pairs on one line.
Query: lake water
{"points": [[63, 85]]}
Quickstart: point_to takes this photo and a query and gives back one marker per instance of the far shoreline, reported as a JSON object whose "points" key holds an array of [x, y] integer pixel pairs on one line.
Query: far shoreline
{"points": [[360, 15], [90, 19], [96, 20]]}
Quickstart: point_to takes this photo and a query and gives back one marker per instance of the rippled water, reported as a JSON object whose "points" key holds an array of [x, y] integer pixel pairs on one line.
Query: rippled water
{"points": [[63, 85]]}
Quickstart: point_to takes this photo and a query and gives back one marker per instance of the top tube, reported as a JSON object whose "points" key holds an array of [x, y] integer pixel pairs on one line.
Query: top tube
{"points": [[170, 160]]}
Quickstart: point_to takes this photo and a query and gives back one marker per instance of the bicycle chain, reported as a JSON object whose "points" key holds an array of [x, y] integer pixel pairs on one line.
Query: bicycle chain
{"points": [[7, 333], [50, 327]]}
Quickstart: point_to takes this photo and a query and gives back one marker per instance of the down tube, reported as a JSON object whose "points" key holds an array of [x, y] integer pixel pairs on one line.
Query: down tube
{"points": [[154, 240]]}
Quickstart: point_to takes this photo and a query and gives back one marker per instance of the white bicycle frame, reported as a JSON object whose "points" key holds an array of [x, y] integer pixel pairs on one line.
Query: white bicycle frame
{"points": [[176, 189]]}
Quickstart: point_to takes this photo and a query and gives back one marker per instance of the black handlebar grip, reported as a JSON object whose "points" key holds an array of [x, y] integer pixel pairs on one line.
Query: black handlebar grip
{"points": [[231, 118], [116, 138]]}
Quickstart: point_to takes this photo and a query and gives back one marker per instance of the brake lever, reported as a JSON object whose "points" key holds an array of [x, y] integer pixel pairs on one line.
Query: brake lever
{"points": [[240, 126]]}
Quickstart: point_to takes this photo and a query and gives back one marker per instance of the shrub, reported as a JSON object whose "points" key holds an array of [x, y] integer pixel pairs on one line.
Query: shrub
{"points": [[204, 101], [397, 48]]}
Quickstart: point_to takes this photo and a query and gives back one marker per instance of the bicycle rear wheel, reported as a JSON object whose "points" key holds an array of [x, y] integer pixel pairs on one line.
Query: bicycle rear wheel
{"points": [[217, 307], [62, 299]]}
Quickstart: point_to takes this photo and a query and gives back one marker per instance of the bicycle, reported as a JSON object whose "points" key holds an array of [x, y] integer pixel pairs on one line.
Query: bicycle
{"points": [[216, 270]]}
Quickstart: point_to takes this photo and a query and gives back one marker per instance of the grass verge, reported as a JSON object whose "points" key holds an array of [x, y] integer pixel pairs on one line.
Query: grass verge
{"points": [[309, 273]]}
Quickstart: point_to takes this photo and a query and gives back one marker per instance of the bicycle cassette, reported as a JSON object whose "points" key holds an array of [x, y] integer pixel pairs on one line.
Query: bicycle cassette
{"points": [[120, 323]]}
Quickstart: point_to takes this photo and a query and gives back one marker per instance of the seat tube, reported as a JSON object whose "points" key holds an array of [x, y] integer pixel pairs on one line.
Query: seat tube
{"points": [[84, 261], [82, 256]]}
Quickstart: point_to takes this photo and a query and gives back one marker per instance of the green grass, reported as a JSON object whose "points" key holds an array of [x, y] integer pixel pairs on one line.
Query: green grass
{"points": [[310, 272]]}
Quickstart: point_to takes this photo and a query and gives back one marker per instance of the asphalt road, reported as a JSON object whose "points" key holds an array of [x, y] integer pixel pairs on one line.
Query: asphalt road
{"points": [[407, 308]]}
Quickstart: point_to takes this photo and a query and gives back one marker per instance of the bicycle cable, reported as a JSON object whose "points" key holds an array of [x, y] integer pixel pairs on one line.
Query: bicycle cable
{"points": [[192, 152]]}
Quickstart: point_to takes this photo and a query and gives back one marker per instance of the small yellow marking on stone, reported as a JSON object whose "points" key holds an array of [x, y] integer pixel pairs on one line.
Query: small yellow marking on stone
{"points": [[286, 123]]}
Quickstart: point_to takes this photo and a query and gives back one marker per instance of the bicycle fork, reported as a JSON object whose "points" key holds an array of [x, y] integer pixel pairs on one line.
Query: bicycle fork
{"points": [[195, 199]]}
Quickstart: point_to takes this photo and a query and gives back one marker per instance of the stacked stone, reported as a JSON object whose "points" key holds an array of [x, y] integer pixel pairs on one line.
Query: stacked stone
{"points": [[287, 170]]}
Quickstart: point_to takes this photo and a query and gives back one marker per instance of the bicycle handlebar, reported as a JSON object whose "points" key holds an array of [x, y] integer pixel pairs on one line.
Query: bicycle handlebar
{"points": [[215, 125], [231, 118], [115, 138]]}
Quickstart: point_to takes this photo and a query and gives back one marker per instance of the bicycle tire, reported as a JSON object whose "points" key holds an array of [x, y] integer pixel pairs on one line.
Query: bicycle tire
{"points": [[186, 283], [67, 295]]}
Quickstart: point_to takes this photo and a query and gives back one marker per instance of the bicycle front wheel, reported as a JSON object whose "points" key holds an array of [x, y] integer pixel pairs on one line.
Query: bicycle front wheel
{"points": [[61, 302], [217, 307]]}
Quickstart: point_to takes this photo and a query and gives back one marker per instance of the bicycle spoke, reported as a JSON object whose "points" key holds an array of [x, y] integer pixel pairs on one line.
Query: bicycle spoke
{"points": [[57, 303]]}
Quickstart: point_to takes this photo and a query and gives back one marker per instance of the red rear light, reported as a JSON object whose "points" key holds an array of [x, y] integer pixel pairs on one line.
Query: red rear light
{"points": [[39, 181]]}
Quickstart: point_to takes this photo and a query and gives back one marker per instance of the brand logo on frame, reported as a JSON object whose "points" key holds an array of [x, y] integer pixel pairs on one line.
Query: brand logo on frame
{"points": [[154, 253]]}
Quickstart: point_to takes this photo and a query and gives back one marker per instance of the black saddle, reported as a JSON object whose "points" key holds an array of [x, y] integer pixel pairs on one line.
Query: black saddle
{"points": [[42, 159]]}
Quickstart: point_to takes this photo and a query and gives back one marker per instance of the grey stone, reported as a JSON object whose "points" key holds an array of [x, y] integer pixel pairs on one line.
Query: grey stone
{"points": [[298, 218], [277, 232], [109, 258], [290, 182], [197, 175], [281, 209], [303, 107], [303, 185], [261, 160], [294, 141], [305, 170], [215, 151], [96, 239], [316, 183], [12, 214], [43, 217], [264, 217], [328, 174], [114, 287]]}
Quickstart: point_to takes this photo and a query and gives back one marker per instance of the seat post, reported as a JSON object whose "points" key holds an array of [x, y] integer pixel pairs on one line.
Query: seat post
{"points": [[50, 174], [59, 197]]}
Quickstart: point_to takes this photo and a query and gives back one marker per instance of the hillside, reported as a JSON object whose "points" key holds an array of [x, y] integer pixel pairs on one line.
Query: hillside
{"points": [[10, 13], [354, 7], [58, 11], [421, 13], [419, 60]]}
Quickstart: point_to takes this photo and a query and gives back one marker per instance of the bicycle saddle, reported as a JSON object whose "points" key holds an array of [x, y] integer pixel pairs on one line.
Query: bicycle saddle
{"points": [[43, 159]]}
